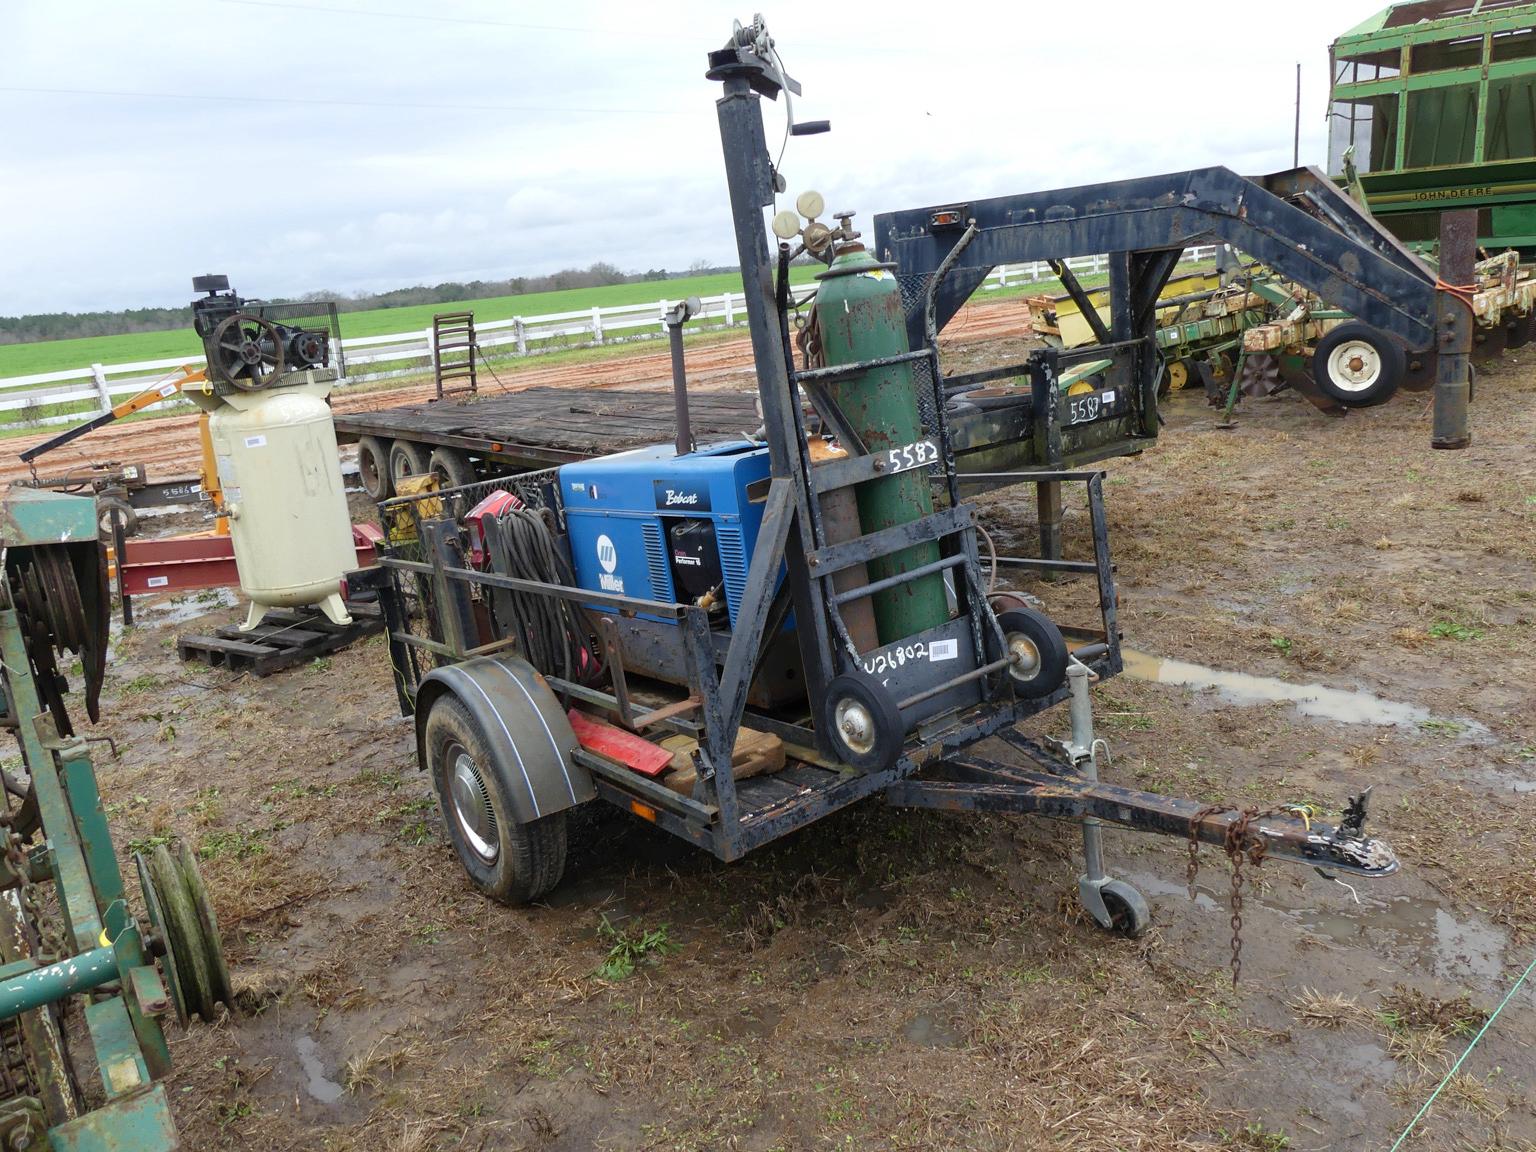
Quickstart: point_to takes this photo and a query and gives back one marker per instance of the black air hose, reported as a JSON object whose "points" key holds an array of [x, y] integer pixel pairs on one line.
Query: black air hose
{"points": [[555, 635]]}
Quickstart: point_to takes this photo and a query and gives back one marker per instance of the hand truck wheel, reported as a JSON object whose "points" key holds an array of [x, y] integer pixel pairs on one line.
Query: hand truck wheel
{"points": [[863, 722], [1041, 653]]}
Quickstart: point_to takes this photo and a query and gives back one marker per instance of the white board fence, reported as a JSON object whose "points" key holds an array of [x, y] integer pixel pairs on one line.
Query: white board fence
{"points": [[76, 394]]}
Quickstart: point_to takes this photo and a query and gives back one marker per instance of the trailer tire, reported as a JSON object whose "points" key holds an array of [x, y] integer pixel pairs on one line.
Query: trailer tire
{"points": [[863, 723], [1042, 651], [373, 465], [407, 459], [452, 467], [510, 862], [1357, 366]]}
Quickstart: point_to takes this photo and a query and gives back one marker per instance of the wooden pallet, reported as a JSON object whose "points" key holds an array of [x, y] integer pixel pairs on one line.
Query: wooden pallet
{"points": [[285, 637]]}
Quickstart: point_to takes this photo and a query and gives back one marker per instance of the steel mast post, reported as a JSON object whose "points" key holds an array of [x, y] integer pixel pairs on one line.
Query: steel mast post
{"points": [[750, 178], [1453, 383]]}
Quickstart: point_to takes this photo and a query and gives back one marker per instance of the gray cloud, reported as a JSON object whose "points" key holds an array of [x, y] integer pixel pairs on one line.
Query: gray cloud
{"points": [[114, 201]]}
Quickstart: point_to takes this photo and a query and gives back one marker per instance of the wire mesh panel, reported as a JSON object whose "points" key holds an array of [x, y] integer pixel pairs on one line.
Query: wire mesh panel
{"points": [[314, 316], [403, 518]]}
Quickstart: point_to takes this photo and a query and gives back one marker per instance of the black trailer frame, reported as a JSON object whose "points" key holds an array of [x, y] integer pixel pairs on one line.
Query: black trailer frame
{"points": [[949, 711]]}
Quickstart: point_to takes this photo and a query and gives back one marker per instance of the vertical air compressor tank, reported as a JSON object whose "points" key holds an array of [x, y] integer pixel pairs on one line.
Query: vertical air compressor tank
{"points": [[859, 316], [281, 476]]}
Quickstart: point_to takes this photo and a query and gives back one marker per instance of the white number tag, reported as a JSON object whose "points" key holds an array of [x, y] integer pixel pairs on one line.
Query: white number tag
{"points": [[909, 456]]}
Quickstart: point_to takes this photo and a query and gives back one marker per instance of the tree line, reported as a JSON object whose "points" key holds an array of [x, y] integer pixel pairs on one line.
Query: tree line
{"points": [[70, 325]]}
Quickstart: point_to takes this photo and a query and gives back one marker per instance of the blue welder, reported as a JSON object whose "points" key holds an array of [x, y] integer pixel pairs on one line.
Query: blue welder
{"points": [[680, 529]]}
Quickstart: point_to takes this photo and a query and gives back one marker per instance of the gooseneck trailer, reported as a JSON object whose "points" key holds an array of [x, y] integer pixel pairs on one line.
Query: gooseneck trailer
{"points": [[733, 641]]}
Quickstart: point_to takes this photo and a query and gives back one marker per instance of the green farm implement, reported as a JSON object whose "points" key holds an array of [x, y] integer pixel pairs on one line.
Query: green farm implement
{"points": [[79, 972]]}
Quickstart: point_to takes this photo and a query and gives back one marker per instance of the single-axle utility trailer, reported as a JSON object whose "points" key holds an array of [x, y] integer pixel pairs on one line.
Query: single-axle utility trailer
{"points": [[731, 640]]}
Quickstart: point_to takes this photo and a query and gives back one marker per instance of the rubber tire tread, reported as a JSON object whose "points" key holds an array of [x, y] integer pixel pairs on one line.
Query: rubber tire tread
{"points": [[417, 455], [378, 449], [453, 466], [890, 729], [1050, 644], [1394, 365], [532, 856]]}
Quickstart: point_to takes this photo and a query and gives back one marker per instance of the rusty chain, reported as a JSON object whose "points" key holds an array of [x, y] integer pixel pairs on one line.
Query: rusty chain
{"points": [[1242, 846]]}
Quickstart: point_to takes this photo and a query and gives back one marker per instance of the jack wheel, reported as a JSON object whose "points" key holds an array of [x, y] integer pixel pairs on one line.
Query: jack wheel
{"points": [[1042, 653], [1128, 912], [863, 723], [197, 975], [109, 508]]}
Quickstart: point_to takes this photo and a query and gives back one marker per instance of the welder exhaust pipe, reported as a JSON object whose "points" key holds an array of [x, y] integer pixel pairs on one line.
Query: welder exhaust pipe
{"points": [[1454, 320], [676, 317]]}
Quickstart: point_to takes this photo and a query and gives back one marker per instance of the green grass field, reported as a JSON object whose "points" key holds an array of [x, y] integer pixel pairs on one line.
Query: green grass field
{"points": [[61, 355]]}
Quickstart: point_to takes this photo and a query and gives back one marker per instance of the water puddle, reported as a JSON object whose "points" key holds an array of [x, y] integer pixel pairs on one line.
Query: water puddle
{"points": [[1153, 885], [1346, 707], [1418, 930], [320, 1086], [1450, 947], [926, 1032], [185, 606]]}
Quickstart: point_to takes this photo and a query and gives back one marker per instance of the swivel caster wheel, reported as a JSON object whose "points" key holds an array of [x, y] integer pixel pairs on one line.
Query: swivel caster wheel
{"points": [[1115, 906]]}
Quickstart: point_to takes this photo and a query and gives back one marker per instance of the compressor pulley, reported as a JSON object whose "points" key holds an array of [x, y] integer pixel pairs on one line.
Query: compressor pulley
{"points": [[246, 351]]}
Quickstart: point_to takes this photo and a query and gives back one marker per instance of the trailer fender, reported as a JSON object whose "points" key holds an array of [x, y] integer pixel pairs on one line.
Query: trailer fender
{"points": [[524, 726]]}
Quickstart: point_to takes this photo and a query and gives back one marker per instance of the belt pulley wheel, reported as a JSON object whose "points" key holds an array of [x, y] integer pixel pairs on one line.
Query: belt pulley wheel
{"points": [[247, 352], [179, 910], [63, 604]]}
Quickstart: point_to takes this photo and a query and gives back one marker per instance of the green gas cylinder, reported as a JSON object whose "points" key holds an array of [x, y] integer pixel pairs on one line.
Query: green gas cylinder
{"points": [[859, 316]]}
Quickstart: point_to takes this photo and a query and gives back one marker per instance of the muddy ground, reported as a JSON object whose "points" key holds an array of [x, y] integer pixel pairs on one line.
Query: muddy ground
{"points": [[889, 979]]}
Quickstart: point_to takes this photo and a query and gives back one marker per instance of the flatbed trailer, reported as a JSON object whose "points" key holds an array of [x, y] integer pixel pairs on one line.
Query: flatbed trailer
{"points": [[545, 427]]}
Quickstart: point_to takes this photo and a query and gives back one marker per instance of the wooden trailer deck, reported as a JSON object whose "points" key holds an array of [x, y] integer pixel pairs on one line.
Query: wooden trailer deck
{"points": [[544, 427]]}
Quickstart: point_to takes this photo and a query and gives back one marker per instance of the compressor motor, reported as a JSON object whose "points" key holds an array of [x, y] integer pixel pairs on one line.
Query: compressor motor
{"points": [[246, 351]]}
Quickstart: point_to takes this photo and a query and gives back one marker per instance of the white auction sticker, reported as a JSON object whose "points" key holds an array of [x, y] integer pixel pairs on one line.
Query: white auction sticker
{"points": [[943, 650], [157, 581], [255, 441]]}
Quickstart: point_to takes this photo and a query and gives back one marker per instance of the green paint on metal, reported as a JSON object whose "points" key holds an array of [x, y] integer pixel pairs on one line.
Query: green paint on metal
{"points": [[91, 821], [77, 900], [859, 314], [37, 516], [121, 1064], [41, 986], [138, 1123]]}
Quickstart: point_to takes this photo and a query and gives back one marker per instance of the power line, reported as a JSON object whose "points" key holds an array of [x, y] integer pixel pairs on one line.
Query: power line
{"points": [[200, 96]]}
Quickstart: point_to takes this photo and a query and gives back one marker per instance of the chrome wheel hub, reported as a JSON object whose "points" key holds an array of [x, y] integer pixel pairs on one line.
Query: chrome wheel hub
{"points": [[1025, 656], [855, 726], [472, 810]]}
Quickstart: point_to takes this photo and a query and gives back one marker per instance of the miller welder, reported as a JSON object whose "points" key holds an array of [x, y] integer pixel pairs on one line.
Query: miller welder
{"points": [[680, 529]]}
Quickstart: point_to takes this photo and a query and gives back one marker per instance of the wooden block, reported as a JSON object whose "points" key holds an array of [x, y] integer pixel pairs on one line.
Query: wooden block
{"points": [[755, 753]]}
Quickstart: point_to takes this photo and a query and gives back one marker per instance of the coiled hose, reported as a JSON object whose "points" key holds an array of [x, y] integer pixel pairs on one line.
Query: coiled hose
{"points": [[555, 635]]}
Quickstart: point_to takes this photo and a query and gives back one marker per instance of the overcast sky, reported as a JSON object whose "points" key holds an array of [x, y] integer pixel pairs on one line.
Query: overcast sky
{"points": [[351, 145]]}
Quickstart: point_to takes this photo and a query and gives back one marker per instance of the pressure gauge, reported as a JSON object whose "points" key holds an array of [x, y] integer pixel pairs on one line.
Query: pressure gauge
{"points": [[810, 204], [786, 225]]}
